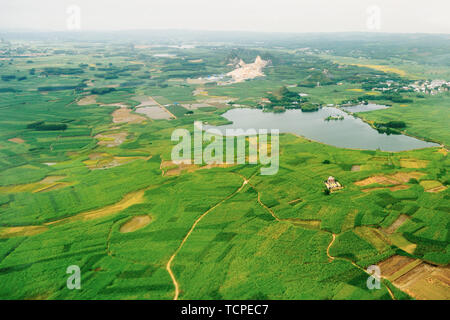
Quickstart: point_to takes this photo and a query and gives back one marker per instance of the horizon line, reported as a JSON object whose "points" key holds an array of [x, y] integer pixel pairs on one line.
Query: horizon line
{"points": [[25, 30]]}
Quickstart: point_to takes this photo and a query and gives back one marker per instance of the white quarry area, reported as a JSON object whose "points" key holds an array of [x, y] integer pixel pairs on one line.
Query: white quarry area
{"points": [[242, 72], [248, 71]]}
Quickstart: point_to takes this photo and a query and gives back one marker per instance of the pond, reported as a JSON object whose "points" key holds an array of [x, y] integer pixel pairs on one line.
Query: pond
{"points": [[351, 132], [365, 107]]}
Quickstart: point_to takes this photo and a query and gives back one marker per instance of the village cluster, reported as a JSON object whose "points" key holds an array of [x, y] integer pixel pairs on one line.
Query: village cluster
{"points": [[431, 87]]}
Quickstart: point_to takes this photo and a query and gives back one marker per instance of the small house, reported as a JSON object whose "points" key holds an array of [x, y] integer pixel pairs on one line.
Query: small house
{"points": [[332, 184]]}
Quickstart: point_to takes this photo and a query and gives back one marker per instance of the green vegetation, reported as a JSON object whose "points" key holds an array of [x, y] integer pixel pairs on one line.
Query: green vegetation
{"points": [[178, 111], [102, 90], [329, 118], [285, 99], [42, 126], [391, 127], [65, 191]]}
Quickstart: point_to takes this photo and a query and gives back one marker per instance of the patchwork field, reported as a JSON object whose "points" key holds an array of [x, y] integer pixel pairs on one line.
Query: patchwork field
{"points": [[420, 280], [87, 179]]}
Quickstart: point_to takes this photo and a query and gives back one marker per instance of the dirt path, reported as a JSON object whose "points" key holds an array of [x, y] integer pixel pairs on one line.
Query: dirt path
{"points": [[329, 246], [169, 263], [266, 207], [354, 264]]}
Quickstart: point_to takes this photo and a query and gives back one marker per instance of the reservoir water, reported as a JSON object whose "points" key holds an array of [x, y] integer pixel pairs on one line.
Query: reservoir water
{"points": [[365, 107], [351, 132]]}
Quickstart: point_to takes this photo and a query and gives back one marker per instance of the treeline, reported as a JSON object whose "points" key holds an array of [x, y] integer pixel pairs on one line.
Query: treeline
{"points": [[391, 127], [42, 126], [56, 71], [101, 91], [285, 99], [12, 77], [394, 97], [113, 72], [8, 77], [368, 85], [77, 87], [397, 98]]}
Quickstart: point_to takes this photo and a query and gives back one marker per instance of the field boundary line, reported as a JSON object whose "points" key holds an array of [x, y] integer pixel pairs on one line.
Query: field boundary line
{"points": [[164, 108]]}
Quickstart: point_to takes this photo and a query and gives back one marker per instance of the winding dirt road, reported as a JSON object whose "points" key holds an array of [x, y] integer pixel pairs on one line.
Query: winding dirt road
{"points": [[169, 263], [354, 264], [329, 246]]}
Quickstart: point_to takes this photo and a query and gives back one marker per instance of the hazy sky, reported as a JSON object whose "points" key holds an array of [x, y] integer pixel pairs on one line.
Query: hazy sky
{"points": [[427, 16]]}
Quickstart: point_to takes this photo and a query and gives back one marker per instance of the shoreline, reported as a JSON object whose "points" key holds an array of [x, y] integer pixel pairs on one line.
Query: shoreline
{"points": [[402, 132], [439, 145]]}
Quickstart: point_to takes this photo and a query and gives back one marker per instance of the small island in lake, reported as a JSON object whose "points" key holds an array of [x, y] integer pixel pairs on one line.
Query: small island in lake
{"points": [[334, 117]]}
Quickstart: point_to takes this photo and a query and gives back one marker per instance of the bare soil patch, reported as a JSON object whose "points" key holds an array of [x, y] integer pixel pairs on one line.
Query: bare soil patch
{"points": [[106, 161], [21, 231], [393, 179], [145, 101], [17, 140], [135, 223], [112, 139], [426, 282], [406, 176], [248, 71], [124, 115], [391, 265], [91, 99], [97, 155], [156, 113]]}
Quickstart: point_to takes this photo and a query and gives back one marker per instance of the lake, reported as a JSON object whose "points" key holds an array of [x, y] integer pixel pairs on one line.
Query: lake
{"points": [[365, 107], [351, 132]]}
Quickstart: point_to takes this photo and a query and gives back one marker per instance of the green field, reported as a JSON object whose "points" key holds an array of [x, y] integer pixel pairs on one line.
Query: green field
{"points": [[65, 192]]}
